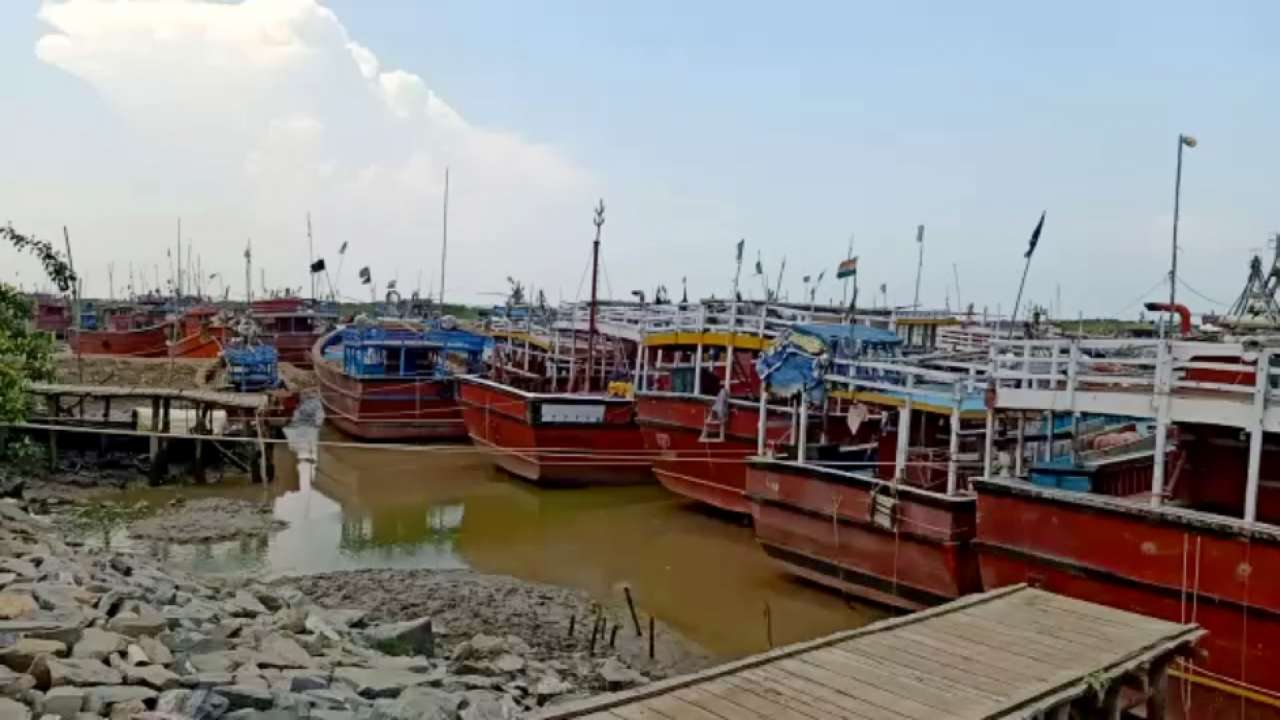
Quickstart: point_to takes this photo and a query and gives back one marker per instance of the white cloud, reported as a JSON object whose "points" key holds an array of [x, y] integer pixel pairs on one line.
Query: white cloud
{"points": [[277, 111]]}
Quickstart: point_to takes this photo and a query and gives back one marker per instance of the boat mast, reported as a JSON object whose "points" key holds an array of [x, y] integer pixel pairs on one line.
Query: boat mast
{"points": [[915, 305], [444, 243], [598, 220], [311, 258]]}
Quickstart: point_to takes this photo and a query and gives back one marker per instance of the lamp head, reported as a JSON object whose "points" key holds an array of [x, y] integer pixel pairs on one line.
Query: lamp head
{"points": [[1188, 140]]}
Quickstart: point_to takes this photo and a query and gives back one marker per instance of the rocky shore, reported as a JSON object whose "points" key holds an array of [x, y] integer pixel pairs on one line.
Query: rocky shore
{"points": [[90, 633]]}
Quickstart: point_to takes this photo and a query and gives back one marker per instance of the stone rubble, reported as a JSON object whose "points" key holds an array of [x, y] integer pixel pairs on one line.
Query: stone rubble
{"points": [[91, 633]]}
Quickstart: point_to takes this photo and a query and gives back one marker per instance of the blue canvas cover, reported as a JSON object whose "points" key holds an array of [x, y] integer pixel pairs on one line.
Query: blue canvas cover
{"points": [[800, 357]]}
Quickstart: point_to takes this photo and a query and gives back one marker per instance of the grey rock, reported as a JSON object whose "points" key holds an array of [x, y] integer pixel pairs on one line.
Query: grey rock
{"points": [[137, 624], [509, 663], [277, 650], [21, 568], [52, 597], [420, 703], [20, 655], [127, 710], [241, 697], [617, 676], [480, 705], [320, 625], [153, 676], [6, 578], [218, 662], [291, 619], [13, 684], [16, 604], [244, 604], [55, 672], [198, 612], [403, 638], [13, 710], [327, 714], [550, 685], [373, 684], [480, 647], [97, 644], [64, 702], [250, 678], [98, 699], [135, 655], [303, 682], [173, 701], [412, 664], [155, 651], [209, 679]]}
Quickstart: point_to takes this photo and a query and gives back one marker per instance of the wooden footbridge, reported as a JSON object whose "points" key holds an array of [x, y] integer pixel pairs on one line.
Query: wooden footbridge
{"points": [[1017, 652]]}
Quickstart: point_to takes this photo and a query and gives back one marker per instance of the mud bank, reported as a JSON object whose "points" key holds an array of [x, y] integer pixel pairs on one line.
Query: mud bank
{"points": [[207, 520], [464, 603]]}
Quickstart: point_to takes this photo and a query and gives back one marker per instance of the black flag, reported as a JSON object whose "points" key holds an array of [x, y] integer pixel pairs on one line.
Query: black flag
{"points": [[317, 266], [1035, 237], [365, 276]]}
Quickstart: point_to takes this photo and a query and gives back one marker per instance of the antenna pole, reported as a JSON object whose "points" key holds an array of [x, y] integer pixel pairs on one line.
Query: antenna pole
{"points": [[248, 271], [311, 258], [955, 272], [598, 221], [915, 305], [444, 242]]}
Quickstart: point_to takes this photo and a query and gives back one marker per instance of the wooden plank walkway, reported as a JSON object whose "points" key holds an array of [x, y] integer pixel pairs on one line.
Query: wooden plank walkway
{"points": [[246, 401], [1017, 652]]}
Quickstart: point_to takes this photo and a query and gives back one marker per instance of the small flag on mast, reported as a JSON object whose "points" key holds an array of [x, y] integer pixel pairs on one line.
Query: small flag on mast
{"points": [[759, 264], [365, 276], [317, 266], [741, 245], [847, 268], [1035, 237], [342, 249]]}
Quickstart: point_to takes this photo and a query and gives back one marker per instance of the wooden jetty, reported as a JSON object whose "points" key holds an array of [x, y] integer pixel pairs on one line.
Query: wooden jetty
{"points": [[1016, 652], [161, 399]]}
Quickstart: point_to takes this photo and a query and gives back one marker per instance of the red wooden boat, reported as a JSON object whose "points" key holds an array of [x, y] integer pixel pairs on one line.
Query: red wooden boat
{"points": [[553, 414], [698, 400], [556, 438], [52, 314], [144, 342], [886, 516], [292, 327], [1197, 544], [393, 383], [203, 336]]}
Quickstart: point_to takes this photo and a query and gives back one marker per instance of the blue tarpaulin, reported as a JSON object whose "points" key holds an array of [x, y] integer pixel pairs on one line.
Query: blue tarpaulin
{"points": [[801, 356]]}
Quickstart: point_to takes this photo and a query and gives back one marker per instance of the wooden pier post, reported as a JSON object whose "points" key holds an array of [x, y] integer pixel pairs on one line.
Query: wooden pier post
{"points": [[631, 605], [52, 403]]}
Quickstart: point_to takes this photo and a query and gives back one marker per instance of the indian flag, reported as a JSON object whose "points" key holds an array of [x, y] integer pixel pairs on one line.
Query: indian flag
{"points": [[847, 268]]}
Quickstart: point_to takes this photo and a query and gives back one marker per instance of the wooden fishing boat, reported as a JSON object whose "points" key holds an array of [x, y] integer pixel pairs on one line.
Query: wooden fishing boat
{"points": [[887, 517], [1195, 543], [699, 402], [552, 413], [291, 326], [556, 438], [152, 341], [394, 383]]}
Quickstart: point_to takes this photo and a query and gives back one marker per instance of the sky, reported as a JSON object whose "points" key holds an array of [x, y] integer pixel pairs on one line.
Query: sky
{"points": [[794, 126]]}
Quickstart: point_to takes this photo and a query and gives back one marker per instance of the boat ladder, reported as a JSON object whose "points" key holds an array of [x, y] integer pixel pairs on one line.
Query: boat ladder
{"points": [[714, 421]]}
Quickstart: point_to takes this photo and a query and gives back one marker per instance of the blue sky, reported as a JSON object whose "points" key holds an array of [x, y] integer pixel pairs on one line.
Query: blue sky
{"points": [[790, 125]]}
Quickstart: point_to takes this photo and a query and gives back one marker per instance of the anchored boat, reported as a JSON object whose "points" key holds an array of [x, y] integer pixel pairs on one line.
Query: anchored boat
{"points": [[395, 382]]}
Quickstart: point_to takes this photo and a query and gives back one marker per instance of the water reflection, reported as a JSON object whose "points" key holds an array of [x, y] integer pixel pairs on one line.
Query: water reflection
{"points": [[449, 508]]}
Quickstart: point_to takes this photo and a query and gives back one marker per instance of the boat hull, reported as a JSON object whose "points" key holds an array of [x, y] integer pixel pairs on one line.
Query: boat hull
{"points": [[203, 344], [712, 472], [913, 551], [147, 342], [1163, 563], [556, 439], [390, 409], [293, 348]]}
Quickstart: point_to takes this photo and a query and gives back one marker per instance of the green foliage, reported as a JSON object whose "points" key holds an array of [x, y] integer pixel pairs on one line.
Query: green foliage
{"points": [[26, 355]]}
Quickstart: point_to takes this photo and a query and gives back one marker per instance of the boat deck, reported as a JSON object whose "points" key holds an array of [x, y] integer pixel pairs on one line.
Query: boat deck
{"points": [[1017, 652]]}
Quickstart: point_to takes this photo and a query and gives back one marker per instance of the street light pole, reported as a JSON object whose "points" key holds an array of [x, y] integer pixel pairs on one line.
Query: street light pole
{"points": [[1183, 141]]}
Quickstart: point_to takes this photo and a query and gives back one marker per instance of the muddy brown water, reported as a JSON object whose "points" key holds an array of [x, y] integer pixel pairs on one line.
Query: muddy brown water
{"points": [[447, 507]]}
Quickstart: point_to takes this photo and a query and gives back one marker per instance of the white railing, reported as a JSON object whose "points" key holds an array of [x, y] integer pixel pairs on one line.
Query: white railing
{"points": [[1208, 369]]}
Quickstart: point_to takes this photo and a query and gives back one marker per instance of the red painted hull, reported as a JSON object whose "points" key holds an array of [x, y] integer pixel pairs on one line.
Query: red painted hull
{"points": [[293, 348], [1165, 564], [817, 522], [204, 344], [528, 442], [711, 472], [402, 409], [147, 342]]}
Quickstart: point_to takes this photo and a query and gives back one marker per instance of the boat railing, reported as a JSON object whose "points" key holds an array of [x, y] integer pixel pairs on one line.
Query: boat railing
{"points": [[965, 384], [1191, 368]]}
